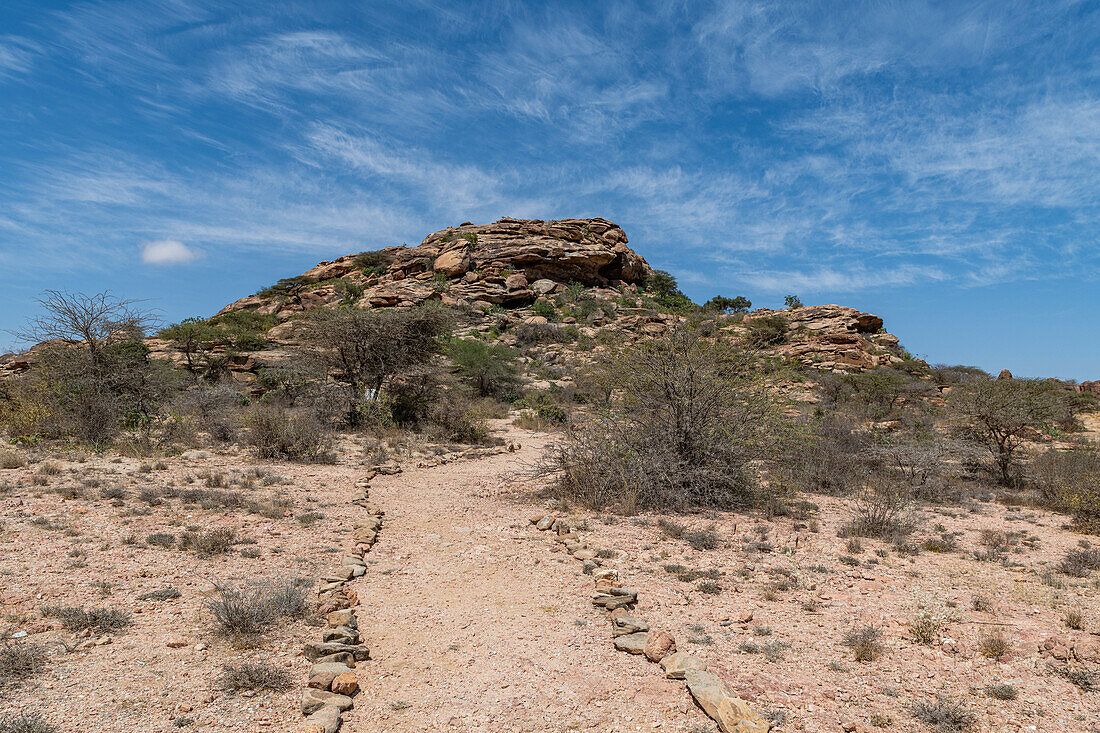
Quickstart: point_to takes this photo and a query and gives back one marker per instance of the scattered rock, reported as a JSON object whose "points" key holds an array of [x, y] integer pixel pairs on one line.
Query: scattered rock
{"points": [[314, 699], [677, 664]]}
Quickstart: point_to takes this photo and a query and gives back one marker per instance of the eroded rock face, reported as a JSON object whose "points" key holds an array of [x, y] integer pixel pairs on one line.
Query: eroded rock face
{"points": [[834, 337], [492, 263]]}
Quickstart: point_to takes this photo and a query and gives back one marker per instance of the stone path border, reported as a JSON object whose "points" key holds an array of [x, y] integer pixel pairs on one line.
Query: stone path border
{"points": [[633, 635], [332, 679]]}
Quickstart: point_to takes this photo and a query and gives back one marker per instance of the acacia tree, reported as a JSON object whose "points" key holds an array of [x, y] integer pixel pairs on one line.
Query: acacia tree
{"points": [[363, 348], [1001, 414], [192, 337], [94, 377], [687, 418], [91, 321]]}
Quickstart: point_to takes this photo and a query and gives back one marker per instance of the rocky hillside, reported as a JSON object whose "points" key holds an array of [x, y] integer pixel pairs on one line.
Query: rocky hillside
{"points": [[577, 275], [542, 285], [511, 262]]}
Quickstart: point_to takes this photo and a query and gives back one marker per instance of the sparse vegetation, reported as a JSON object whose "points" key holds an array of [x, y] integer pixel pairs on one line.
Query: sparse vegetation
{"points": [[945, 715], [20, 660], [99, 620], [249, 610], [254, 675], [865, 643]]}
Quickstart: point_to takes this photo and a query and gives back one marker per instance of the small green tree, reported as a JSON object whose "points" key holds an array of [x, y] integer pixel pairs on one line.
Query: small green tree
{"points": [[720, 304], [792, 302], [1001, 414], [490, 368], [192, 337], [363, 349], [667, 293]]}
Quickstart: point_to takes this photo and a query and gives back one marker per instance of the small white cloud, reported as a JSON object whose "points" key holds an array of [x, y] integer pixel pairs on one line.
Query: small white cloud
{"points": [[167, 252]]}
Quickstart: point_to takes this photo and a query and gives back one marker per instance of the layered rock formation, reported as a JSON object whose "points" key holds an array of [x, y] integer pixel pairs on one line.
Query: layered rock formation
{"points": [[834, 337], [509, 263]]}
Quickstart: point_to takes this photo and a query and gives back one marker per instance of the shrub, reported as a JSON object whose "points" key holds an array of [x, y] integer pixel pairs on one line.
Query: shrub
{"points": [[983, 604], [792, 302], [945, 715], [1001, 691], [10, 459], [994, 645], [709, 587], [689, 417], [26, 724], [212, 542], [534, 334], [927, 627], [161, 594], [720, 304], [100, 620], [1086, 679], [161, 539], [1070, 481], [545, 309], [702, 539], [881, 509], [20, 660], [1080, 562], [766, 330], [251, 609], [374, 262], [276, 433], [489, 368], [254, 676], [94, 379], [1074, 619], [865, 643]]}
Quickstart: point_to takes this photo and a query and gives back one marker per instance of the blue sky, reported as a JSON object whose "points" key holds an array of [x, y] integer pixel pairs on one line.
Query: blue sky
{"points": [[937, 163]]}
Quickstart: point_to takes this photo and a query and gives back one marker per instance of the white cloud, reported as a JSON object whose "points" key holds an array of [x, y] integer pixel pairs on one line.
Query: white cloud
{"points": [[167, 252]]}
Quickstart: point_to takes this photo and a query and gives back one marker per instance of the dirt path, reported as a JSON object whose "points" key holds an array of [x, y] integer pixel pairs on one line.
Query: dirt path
{"points": [[476, 625]]}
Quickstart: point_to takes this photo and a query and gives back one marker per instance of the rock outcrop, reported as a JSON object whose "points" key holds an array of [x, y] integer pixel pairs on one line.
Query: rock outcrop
{"points": [[834, 337], [495, 264]]}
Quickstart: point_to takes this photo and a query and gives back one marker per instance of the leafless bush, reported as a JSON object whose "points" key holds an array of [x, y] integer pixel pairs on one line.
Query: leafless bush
{"points": [[254, 676], [882, 508], [276, 433], [689, 418], [251, 609], [100, 620], [26, 724], [1080, 562], [20, 660], [994, 645], [1070, 481], [10, 459], [945, 715], [211, 542], [865, 643], [927, 627]]}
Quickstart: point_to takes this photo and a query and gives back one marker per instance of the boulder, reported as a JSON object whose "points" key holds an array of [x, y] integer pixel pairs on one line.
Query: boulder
{"points": [[625, 623], [322, 674], [324, 720], [659, 644]]}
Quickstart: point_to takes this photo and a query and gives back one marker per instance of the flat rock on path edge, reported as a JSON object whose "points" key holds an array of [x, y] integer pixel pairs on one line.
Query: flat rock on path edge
{"points": [[632, 643], [731, 713], [314, 699], [325, 720], [677, 664]]}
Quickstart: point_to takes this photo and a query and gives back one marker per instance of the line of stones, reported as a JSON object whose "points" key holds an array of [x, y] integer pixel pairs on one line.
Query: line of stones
{"points": [[632, 634], [332, 680]]}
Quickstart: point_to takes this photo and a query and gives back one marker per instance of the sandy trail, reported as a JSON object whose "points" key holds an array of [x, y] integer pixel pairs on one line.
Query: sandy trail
{"points": [[476, 624]]}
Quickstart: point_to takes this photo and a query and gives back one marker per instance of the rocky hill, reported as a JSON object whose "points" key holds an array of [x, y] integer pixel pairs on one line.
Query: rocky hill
{"points": [[573, 274], [569, 280]]}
